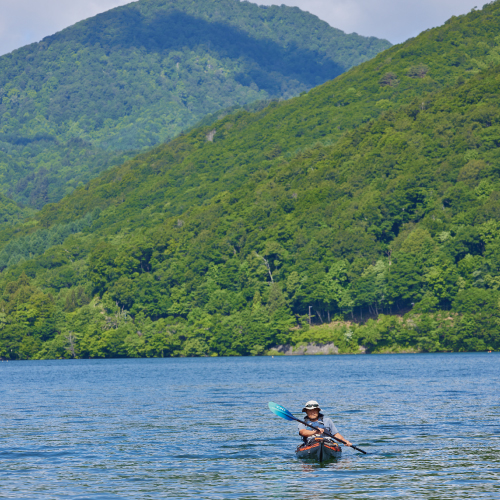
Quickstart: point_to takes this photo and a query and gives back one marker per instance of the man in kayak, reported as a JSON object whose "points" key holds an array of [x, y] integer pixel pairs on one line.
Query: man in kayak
{"points": [[317, 419]]}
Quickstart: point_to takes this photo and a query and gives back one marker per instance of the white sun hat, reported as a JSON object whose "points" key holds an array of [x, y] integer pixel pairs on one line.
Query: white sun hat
{"points": [[311, 405]]}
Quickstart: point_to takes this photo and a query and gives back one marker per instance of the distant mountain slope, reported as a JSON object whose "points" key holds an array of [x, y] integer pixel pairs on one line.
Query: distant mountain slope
{"points": [[11, 213], [437, 59], [89, 96], [375, 193]]}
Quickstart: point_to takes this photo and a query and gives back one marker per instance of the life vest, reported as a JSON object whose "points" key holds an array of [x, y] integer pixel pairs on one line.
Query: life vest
{"points": [[316, 423]]}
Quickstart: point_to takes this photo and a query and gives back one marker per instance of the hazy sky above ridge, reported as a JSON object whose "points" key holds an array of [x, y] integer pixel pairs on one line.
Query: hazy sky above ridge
{"points": [[27, 21]]}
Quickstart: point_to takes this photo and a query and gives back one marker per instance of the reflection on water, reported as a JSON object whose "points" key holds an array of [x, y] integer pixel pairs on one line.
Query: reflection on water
{"points": [[334, 463], [200, 428]]}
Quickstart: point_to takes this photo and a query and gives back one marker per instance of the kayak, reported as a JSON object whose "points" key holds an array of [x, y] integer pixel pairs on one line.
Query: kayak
{"points": [[319, 449]]}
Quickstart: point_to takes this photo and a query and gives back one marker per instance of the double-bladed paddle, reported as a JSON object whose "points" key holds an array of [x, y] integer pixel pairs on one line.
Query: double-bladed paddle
{"points": [[284, 413]]}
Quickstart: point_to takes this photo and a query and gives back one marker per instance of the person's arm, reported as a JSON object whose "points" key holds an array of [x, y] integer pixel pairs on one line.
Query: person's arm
{"points": [[339, 436], [334, 432], [308, 433], [305, 432]]}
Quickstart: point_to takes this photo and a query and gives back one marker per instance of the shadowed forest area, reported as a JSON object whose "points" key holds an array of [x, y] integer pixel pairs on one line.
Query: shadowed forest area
{"points": [[98, 92]]}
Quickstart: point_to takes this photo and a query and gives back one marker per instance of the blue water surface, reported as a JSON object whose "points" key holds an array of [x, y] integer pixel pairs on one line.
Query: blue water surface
{"points": [[200, 427]]}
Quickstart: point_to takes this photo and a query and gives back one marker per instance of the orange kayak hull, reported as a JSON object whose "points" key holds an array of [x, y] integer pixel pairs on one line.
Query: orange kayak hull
{"points": [[320, 450]]}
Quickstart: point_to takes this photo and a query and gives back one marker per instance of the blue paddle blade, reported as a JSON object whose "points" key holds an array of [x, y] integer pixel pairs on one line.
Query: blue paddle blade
{"points": [[281, 412]]}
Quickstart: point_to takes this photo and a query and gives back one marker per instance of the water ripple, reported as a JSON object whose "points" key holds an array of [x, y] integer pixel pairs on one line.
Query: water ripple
{"points": [[200, 428]]}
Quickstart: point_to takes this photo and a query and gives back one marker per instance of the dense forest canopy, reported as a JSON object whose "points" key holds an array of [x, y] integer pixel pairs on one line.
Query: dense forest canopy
{"points": [[98, 92], [373, 200]]}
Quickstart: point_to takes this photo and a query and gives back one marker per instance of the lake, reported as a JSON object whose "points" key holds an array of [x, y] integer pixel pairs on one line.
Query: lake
{"points": [[200, 427]]}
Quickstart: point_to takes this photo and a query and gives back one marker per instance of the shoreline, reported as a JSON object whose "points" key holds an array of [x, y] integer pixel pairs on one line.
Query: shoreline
{"points": [[269, 353]]}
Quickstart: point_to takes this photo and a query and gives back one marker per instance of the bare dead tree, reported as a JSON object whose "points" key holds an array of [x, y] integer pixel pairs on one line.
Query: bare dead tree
{"points": [[389, 254], [71, 344], [319, 315], [266, 262]]}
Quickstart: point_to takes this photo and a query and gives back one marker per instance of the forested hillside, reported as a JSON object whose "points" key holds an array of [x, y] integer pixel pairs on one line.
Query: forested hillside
{"points": [[373, 199], [98, 92]]}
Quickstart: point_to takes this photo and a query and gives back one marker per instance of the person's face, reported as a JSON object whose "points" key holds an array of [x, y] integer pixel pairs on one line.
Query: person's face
{"points": [[313, 414]]}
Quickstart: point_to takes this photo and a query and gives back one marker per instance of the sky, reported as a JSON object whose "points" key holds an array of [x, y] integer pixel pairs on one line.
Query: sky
{"points": [[27, 21]]}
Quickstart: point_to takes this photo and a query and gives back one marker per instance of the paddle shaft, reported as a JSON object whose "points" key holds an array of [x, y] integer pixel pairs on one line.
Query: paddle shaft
{"points": [[329, 435]]}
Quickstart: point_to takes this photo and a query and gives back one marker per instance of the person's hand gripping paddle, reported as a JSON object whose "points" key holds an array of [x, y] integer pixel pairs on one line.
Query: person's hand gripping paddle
{"points": [[284, 413]]}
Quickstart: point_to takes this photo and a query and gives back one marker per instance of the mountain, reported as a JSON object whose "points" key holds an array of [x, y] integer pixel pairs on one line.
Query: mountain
{"points": [[371, 200], [11, 213], [108, 87]]}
